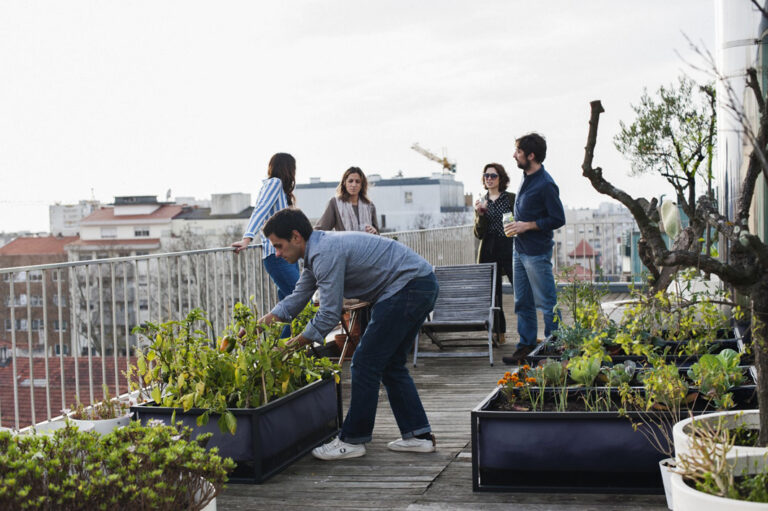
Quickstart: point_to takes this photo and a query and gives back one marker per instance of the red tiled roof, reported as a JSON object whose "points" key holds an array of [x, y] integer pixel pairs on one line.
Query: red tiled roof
{"points": [[133, 241], [583, 249], [56, 381], [50, 245], [108, 215]]}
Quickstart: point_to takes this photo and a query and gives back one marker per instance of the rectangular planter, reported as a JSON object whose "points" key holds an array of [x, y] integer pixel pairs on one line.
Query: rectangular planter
{"points": [[539, 353], [571, 452], [270, 437]]}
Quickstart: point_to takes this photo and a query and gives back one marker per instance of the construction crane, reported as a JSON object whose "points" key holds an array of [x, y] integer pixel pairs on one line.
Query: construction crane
{"points": [[448, 166]]}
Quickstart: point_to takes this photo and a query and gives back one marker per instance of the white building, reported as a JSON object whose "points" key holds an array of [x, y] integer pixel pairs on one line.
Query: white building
{"points": [[601, 229], [401, 203], [217, 225], [65, 218]]}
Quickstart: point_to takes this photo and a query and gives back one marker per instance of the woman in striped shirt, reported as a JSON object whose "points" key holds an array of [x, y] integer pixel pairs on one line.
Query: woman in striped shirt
{"points": [[276, 193]]}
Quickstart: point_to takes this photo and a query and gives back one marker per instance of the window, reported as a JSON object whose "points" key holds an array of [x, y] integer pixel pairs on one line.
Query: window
{"points": [[37, 324], [60, 300], [143, 304], [56, 326], [21, 324], [141, 231], [36, 301], [35, 275], [109, 232], [55, 276], [18, 300], [408, 197], [17, 277]]}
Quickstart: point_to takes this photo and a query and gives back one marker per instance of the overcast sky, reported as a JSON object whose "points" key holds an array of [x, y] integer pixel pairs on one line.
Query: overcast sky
{"points": [[112, 97]]}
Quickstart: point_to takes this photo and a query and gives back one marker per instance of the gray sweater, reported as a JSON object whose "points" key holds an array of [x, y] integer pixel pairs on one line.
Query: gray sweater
{"points": [[349, 265]]}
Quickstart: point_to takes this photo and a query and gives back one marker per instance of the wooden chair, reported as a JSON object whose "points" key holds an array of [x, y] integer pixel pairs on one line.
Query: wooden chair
{"points": [[464, 304]]}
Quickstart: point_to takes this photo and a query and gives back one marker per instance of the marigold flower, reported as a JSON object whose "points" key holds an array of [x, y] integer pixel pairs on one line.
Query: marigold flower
{"points": [[519, 384], [527, 367], [501, 382], [531, 380], [507, 375], [514, 377]]}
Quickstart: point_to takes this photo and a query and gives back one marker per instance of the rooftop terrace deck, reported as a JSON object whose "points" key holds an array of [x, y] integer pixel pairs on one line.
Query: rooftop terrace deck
{"points": [[382, 479]]}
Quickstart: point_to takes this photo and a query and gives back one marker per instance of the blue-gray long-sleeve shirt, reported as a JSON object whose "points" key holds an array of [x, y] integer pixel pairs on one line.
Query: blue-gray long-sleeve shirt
{"points": [[349, 265], [538, 200]]}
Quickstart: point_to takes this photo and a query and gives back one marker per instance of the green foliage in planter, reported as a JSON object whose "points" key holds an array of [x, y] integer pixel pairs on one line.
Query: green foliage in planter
{"points": [[693, 318], [715, 375], [180, 367], [136, 467], [618, 374]]}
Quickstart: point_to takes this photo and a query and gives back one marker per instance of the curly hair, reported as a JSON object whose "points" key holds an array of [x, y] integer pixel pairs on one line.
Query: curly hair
{"points": [[503, 177]]}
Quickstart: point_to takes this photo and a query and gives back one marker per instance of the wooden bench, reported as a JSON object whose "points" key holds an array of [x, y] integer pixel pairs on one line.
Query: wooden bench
{"points": [[464, 304]]}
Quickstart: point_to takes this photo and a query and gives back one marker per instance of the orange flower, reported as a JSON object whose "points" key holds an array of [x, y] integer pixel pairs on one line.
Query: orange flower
{"points": [[527, 367], [519, 384], [501, 382], [507, 375], [531, 380], [514, 377]]}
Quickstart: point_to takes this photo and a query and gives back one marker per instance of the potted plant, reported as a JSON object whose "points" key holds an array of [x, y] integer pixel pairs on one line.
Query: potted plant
{"points": [[712, 475], [271, 405], [104, 416], [136, 467]]}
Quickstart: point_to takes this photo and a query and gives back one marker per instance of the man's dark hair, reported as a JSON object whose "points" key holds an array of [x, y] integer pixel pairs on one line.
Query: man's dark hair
{"points": [[533, 143], [284, 222]]}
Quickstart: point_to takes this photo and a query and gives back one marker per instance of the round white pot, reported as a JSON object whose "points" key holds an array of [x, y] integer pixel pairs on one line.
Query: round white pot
{"points": [[686, 498], [733, 419], [666, 466], [103, 426]]}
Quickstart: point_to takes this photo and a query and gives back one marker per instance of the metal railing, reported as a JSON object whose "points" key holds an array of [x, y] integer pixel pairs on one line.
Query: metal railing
{"points": [[84, 339]]}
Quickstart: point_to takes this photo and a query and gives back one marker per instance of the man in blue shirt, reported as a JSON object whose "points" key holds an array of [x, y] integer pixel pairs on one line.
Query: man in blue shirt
{"points": [[538, 212], [402, 288]]}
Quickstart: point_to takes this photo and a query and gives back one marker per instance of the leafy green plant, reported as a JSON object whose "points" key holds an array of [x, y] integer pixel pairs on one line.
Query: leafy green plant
{"points": [[584, 370], [620, 373], [108, 408], [180, 368], [715, 375], [136, 467]]}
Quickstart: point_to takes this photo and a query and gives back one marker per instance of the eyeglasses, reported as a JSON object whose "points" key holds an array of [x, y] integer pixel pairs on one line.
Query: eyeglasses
{"points": [[490, 176]]}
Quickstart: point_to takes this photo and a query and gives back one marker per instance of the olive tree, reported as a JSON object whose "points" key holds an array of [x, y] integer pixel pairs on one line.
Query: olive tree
{"points": [[746, 269]]}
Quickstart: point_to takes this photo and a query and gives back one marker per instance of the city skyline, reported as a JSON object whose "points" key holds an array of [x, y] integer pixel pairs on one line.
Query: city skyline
{"points": [[109, 98]]}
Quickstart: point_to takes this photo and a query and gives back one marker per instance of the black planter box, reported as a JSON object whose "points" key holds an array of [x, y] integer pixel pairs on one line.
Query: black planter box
{"points": [[268, 438], [565, 452]]}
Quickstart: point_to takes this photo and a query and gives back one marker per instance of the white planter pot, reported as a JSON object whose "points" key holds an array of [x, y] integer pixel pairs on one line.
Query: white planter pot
{"points": [[733, 419], [47, 428], [103, 426], [665, 466], [686, 498]]}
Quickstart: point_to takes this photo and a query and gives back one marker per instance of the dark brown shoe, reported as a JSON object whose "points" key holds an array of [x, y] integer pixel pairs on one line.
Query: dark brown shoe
{"points": [[518, 356]]}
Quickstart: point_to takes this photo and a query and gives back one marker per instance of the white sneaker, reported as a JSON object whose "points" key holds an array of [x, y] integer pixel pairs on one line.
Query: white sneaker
{"points": [[337, 449], [413, 444]]}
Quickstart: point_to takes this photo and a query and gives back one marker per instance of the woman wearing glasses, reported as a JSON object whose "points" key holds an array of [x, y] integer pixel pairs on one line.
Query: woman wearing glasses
{"points": [[495, 246]]}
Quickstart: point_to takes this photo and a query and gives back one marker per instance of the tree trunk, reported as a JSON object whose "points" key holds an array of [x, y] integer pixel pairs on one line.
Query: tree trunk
{"points": [[760, 349]]}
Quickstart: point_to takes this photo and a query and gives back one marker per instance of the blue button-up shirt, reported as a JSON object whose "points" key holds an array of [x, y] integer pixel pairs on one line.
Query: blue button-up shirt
{"points": [[349, 265], [538, 200]]}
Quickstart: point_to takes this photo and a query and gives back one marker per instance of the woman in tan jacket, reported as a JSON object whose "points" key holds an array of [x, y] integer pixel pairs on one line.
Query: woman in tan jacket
{"points": [[350, 210]]}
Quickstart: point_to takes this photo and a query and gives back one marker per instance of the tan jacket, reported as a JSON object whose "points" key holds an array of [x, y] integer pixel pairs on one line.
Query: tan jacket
{"points": [[331, 219]]}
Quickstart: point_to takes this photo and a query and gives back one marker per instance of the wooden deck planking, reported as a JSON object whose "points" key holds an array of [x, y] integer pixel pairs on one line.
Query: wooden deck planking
{"points": [[382, 479]]}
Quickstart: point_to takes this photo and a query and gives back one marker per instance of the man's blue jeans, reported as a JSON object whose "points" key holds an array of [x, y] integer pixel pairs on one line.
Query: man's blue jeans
{"points": [[284, 275], [381, 357], [534, 289]]}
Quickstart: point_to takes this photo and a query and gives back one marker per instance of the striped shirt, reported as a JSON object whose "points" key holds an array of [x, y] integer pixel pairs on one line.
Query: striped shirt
{"points": [[271, 199]]}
